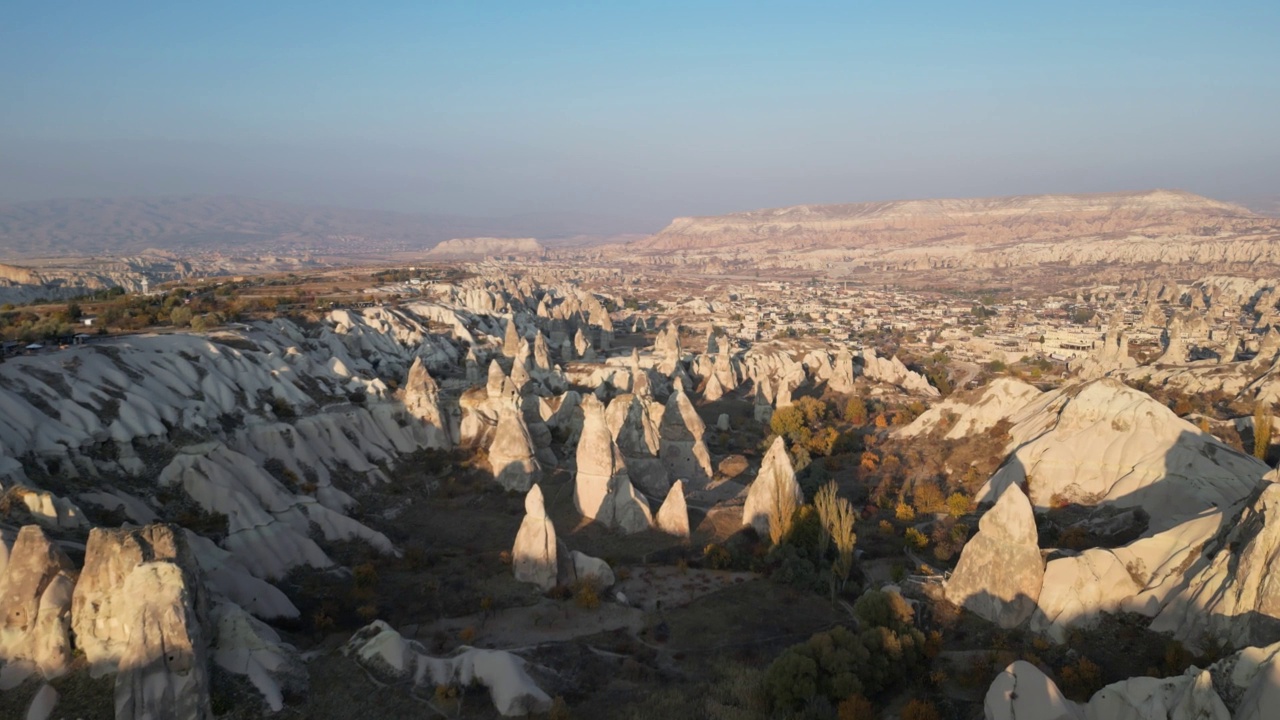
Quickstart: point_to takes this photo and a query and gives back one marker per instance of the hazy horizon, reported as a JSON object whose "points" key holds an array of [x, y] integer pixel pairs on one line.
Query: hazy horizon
{"points": [[643, 113]]}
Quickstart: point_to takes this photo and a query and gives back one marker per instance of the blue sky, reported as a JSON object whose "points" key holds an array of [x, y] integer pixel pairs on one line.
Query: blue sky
{"points": [[641, 110]]}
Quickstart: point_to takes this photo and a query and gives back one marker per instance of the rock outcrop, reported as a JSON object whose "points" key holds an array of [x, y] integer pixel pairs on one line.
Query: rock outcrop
{"points": [[1232, 591], [602, 488], [1000, 570], [673, 516], [683, 451], [533, 558], [381, 650], [163, 669], [512, 454], [776, 479], [422, 399], [1243, 686], [35, 608], [101, 612]]}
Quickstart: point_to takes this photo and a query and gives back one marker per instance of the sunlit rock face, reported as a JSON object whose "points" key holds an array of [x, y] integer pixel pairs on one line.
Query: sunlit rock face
{"points": [[534, 555], [36, 585], [673, 516], [1242, 686], [776, 479], [602, 488], [1000, 570]]}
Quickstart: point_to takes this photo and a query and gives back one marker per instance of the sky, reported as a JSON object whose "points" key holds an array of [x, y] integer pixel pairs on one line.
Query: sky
{"points": [[641, 111]]}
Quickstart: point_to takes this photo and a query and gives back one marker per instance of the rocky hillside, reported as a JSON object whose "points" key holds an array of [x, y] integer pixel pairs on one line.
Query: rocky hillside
{"points": [[1157, 226], [480, 248]]}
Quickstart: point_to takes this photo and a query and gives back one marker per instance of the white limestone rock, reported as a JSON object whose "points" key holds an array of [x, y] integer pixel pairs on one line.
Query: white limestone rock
{"points": [[602, 488], [999, 400], [1000, 571], [1103, 442], [776, 476], [381, 650], [1022, 692], [421, 397], [163, 669], [533, 557], [35, 609], [673, 516], [1232, 591], [593, 569], [684, 450], [512, 454], [101, 611], [246, 646]]}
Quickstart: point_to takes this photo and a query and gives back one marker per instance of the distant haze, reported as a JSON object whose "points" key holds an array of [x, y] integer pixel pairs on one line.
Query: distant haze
{"points": [[635, 113]]}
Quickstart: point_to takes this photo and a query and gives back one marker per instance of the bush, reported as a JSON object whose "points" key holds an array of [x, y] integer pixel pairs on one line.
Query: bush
{"points": [[959, 504], [920, 710], [884, 609], [916, 539], [366, 575], [840, 663], [1081, 679], [855, 411], [855, 707], [904, 512], [585, 595], [718, 557]]}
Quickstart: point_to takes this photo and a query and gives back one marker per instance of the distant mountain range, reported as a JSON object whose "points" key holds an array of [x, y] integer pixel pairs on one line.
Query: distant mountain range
{"points": [[1007, 234], [981, 222], [228, 224]]}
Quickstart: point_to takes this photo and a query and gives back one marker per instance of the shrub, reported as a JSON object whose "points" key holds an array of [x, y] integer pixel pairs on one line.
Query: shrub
{"points": [[585, 595], [467, 634], [920, 710], [886, 527], [366, 575], [855, 707], [959, 504], [1081, 679], [1075, 538], [904, 512], [806, 531], [916, 539], [839, 663], [884, 609], [718, 556]]}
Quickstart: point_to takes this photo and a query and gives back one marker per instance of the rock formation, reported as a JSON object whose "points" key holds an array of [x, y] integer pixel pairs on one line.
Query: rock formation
{"points": [[100, 610], [422, 400], [683, 450], [1022, 692], [776, 477], [35, 608], [534, 555], [1000, 570], [673, 516], [1242, 686], [602, 488], [512, 454], [384, 652], [163, 669]]}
